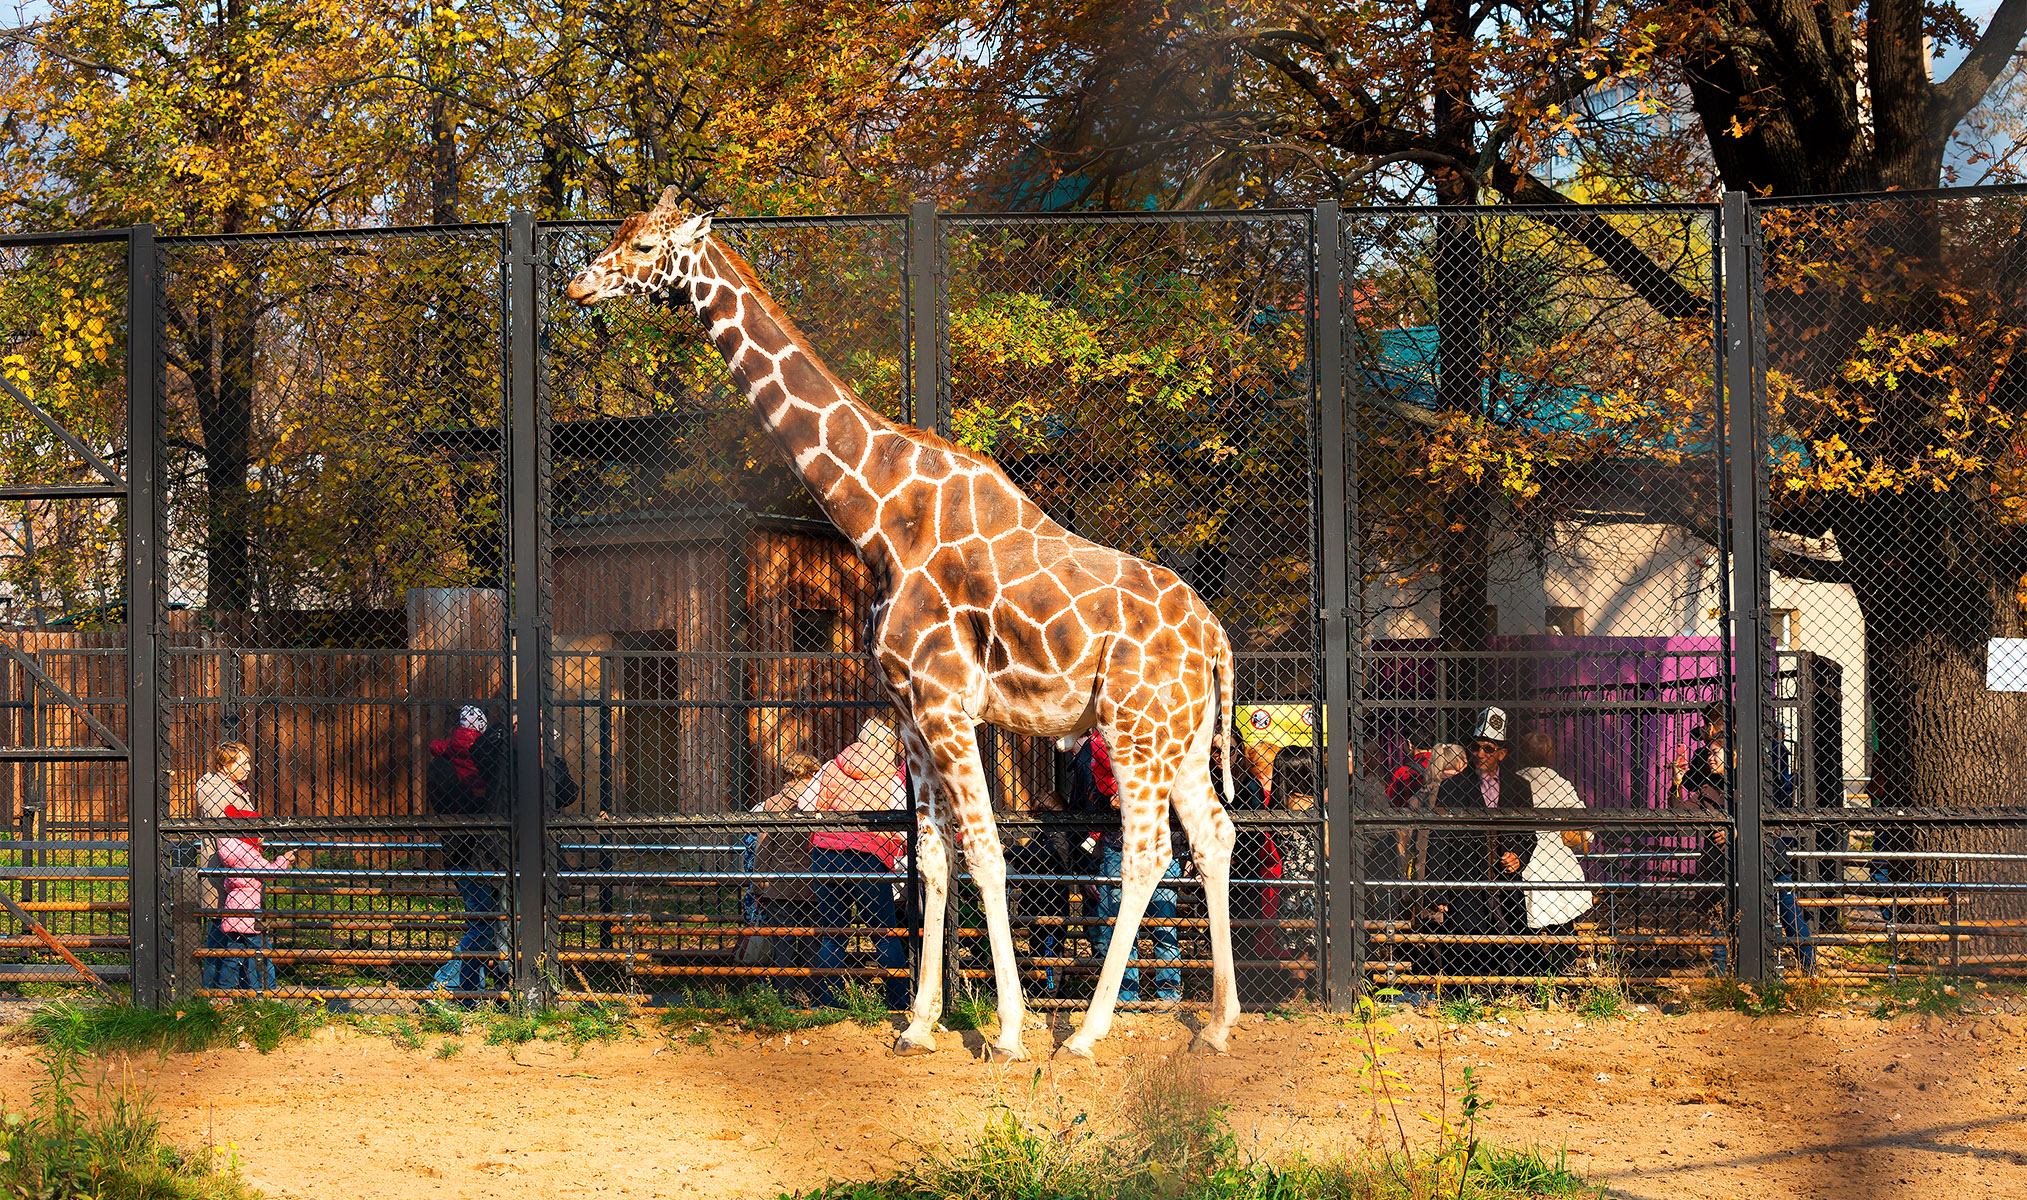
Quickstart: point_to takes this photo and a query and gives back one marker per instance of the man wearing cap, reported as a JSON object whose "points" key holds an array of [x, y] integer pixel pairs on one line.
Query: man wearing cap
{"points": [[1482, 855]]}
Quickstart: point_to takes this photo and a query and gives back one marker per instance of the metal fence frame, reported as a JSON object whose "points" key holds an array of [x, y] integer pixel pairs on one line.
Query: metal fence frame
{"points": [[1343, 893]]}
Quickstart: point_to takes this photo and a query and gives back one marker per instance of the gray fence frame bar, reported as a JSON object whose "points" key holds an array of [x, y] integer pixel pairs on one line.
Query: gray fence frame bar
{"points": [[924, 360], [1344, 949], [527, 633], [1751, 672], [144, 775]]}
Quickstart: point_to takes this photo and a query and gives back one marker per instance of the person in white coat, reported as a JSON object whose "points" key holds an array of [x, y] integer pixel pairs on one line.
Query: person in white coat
{"points": [[1553, 911]]}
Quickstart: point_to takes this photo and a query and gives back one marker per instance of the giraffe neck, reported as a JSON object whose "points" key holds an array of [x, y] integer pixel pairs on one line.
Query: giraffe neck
{"points": [[835, 442]]}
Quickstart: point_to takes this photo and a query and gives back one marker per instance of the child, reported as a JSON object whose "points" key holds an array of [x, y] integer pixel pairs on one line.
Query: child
{"points": [[251, 970]]}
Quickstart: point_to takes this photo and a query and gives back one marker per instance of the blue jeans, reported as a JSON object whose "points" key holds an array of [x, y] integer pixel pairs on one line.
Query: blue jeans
{"points": [[214, 939], [1794, 919], [253, 971], [874, 900], [1161, 906], [482, 933]]}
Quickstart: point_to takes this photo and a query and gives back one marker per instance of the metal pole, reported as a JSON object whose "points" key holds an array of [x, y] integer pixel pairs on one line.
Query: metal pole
{"points": [[924, 408], [530, 758], [1335, 495], [144, 775], [1739, 315]]}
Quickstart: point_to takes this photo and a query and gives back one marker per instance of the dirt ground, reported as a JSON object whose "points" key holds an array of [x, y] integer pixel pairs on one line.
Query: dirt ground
{"points": [[1690, 1105]]}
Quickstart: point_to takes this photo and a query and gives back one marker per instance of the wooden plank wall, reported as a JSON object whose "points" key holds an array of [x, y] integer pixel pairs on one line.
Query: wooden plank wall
{"points": [[91, 666]]}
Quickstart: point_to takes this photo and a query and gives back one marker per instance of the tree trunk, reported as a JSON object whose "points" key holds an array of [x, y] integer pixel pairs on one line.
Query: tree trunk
{"points": [[223, 388]]}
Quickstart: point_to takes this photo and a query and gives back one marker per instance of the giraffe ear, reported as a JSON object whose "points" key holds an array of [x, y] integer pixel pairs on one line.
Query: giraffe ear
{"points": [[672, 198]]}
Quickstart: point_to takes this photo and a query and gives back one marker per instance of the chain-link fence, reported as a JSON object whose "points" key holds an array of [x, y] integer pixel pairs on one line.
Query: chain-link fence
{"points": [[1537, 433], [333, 728], [497, 649], [1891, 382], [63, 458]]}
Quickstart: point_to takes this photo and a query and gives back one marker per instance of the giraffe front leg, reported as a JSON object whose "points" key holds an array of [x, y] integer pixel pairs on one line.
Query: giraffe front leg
{"points": [[933, 850], [1139, 869], [1211, 838], [987, 860]]}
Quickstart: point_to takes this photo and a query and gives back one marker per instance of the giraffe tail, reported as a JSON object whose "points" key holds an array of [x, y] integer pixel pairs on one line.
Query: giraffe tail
{"points": [[1221, 673]]}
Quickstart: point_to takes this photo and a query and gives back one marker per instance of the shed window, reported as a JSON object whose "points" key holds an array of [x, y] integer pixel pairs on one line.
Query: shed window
{"points": [[816, 631]]}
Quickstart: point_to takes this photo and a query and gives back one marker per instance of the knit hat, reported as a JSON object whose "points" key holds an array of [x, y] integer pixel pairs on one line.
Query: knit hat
{"points": [[1491, 726], [471, 717]]}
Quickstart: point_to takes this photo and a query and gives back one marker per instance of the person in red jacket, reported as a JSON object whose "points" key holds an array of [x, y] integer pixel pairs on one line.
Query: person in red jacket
{"points": [[847, 864]]}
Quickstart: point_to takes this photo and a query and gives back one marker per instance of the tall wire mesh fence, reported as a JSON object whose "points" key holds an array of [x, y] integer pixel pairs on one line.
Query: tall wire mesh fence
{"points": [[333, 690], [1538, 443], [1891, 383], [63, 455], [1552, 777]]}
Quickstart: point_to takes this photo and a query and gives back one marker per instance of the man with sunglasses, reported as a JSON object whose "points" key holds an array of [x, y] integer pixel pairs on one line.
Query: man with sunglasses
{"points": [[1482, 855]]}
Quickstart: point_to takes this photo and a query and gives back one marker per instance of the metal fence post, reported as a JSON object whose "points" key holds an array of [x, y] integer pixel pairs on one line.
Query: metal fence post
{"points": [[530, 748], [1345, 947], [1750, 668], [144, 775], [925, 408]]}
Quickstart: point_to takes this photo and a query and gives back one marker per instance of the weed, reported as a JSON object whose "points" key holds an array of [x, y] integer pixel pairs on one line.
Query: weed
{"points": [[189, 1025], [447, 1049], [511, 1029], [439, 1016], [1544, 994], [972, 1010], [1602, 1002], [700, 1036], [1175, 1142], [1926, 994], [405, 1035], [109, 1145], [1463, 1007], [862, 1004]]}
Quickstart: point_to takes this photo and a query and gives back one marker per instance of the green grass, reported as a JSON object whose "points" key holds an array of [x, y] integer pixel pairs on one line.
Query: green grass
{"points": [[194, 1024], [1927, 994], [1462, 1007], [1604, 1002], [973, 1010], [101, 1144], [1175, 1143]]}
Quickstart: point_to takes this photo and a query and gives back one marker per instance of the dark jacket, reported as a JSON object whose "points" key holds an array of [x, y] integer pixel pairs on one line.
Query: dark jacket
{"points": [[1472, 855], [484, 845]]}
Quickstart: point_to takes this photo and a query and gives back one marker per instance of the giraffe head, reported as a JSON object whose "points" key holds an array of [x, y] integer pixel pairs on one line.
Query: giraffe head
{"points": [[653, 250]]}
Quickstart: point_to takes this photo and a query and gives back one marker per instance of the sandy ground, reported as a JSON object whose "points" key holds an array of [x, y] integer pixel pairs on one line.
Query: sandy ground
{"points": [[1690, 1105]]}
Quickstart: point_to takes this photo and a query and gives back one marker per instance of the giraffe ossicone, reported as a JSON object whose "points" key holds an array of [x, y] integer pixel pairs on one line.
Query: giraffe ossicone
{"points": [[984, 609]]}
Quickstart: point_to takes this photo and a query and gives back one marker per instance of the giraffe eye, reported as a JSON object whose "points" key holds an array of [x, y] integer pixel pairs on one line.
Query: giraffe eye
{"points": [[643, 247]]}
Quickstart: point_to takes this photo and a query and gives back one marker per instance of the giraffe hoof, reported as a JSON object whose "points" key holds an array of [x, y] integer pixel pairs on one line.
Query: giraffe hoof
{"points": [[1073, 1050], [1211, 1045], [999, 1053], [907, 1047]]}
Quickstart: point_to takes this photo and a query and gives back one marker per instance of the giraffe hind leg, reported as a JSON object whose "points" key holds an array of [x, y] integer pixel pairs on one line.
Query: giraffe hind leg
{"points": [[933, 852]]}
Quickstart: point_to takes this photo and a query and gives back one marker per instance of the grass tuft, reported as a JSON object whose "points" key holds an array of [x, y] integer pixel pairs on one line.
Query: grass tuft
{"points": [[195, 1024], [972, 1010], [1926, 994], [1175, 1143], [102, 1144], [1463, 1007]]}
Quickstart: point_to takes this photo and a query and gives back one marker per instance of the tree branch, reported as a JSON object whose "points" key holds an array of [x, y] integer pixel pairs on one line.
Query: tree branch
{"points": [[1953, 99], [1647, 279]]}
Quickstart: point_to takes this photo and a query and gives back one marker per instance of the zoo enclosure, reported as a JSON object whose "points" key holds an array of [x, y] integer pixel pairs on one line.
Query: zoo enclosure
{"points": [[392, 474]]}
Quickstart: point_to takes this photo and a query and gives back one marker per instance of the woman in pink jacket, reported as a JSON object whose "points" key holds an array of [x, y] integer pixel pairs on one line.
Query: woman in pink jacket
{"points": [[867, 777], [250, 969]]}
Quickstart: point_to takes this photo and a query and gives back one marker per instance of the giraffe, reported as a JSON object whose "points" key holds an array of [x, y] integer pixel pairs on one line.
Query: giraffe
{"points": [[984, 610]]}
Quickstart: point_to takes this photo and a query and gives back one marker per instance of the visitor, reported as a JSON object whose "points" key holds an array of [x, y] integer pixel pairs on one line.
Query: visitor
{"points": [[224, 788], [1552, 912], [1482, 856], [850, 866], [246, 966], [784, 897], [1042, 898], [475, 859], [1158, 921], [1296, 906]]}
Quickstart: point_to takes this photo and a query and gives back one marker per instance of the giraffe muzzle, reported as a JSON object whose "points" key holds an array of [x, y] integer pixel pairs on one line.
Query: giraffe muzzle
{"points": [[581, 290]]}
